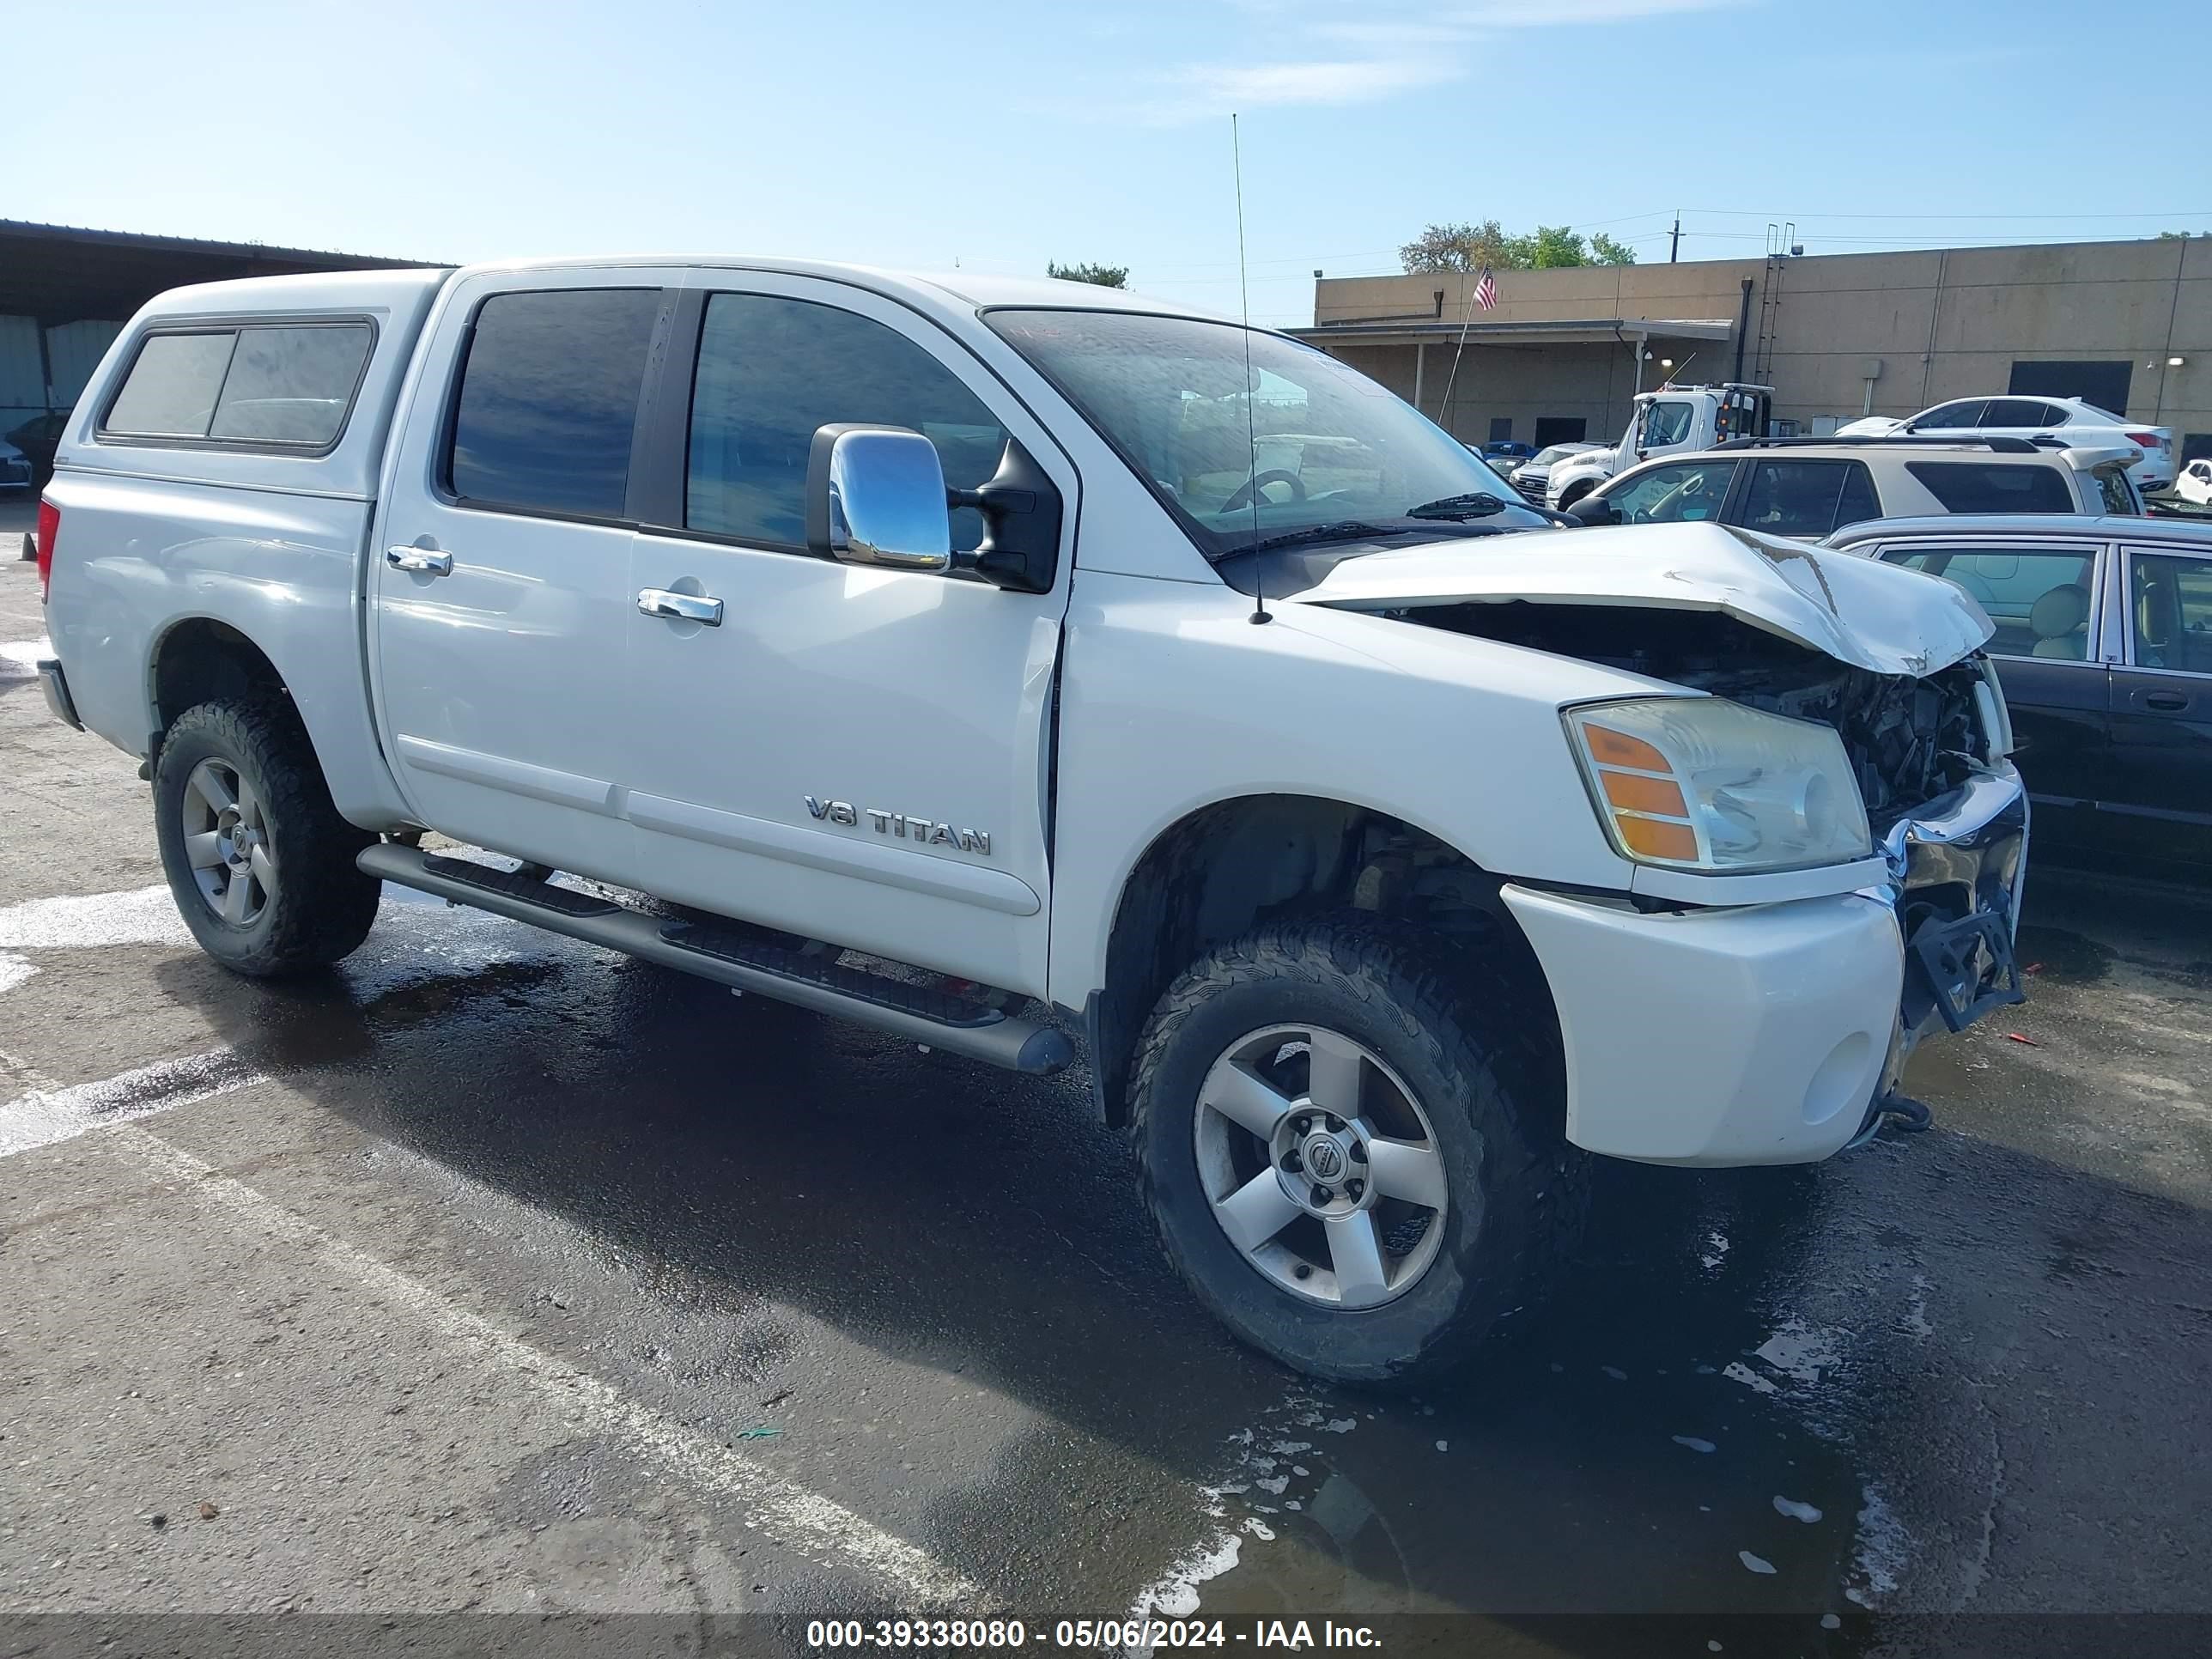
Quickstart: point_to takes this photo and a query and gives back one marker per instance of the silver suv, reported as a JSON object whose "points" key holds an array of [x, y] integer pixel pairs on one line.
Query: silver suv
{"points": [[1810, 488]]}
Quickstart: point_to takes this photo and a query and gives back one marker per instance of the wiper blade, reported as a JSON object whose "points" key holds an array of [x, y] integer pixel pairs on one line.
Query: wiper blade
{"points": [[1345, 531], [1480, 504]]}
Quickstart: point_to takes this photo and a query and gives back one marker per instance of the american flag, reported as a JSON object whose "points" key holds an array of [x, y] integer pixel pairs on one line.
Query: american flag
{"points": [[1485, 290]]}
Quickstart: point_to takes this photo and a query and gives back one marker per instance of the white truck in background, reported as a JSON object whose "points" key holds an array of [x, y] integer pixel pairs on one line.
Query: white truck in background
{"points": [[1673, 419], [969, 658]]}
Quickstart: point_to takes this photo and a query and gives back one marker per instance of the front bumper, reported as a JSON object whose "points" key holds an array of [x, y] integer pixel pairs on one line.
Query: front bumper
{"points": [[1763, 1033]]}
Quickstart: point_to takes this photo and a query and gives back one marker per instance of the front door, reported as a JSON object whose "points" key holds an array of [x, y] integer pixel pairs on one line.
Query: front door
{"points": [[2159, 804], [500, 591], [855, 754]]}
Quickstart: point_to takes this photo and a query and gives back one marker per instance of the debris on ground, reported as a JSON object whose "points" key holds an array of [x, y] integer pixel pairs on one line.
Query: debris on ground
{"points": [[207, 1511], [758, 1433], [2015, 1036]]}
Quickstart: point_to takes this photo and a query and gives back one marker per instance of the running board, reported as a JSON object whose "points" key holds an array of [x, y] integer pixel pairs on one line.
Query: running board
{"points": [[732, 957]]}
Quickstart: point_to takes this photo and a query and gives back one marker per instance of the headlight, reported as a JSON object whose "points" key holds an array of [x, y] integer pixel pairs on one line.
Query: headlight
{"points": [[1701, 783]]}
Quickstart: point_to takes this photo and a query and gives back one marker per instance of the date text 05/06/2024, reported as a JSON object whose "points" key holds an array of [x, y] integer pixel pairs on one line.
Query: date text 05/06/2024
{"points": [[1088, 1635]]}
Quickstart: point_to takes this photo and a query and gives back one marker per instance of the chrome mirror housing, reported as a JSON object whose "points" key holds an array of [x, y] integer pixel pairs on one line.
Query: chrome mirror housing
{"points": [[875, 495]]}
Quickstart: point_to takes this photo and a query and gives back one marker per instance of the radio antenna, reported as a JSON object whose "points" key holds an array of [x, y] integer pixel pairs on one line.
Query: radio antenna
{"points": [[1251, 396]]}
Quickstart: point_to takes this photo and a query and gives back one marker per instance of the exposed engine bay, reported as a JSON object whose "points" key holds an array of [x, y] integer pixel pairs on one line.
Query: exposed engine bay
{"points": [[1910, 740]]}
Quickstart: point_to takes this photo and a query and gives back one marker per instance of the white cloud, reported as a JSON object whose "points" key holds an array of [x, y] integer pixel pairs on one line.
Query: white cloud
{"points": [[1239, 86], [1384, 47]]}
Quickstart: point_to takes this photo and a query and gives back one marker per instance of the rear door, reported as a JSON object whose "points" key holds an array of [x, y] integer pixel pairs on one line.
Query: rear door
{"points": [[2044, 598], [500, 605], [860, 754], [2160, 801]]}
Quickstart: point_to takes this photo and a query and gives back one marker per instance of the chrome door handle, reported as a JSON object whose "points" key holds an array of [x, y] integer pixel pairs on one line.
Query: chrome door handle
{"points": [[421, 561], [680, 607]]}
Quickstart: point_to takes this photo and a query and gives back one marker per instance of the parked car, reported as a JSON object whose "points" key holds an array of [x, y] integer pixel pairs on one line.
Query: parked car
{"points": [[2061, 422], [1533, 475], [1504, 453], [2194, 482], [1373, 921], [2104, 643], [15, 468], [1808, 487]]}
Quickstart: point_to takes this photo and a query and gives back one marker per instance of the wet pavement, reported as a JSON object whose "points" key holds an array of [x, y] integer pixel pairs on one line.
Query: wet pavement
{"points": [[495, 1272]]}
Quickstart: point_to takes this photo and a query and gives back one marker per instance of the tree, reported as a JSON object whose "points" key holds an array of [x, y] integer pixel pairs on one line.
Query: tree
{"points": [[1104, 275], [1454, 247], [1457, 247]]}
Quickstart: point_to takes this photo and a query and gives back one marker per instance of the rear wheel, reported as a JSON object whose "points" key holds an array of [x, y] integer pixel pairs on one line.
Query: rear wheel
{"points": [[1349, 1136], [260, 862]]}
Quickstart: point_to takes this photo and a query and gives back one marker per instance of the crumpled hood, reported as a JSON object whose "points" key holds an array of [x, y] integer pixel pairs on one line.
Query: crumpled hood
{"points": [[1872, 615]]}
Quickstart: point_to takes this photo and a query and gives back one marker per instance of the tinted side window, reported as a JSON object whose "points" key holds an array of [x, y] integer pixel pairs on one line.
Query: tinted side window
{"points": [[171, 389], [771, 370], [1947, 416], [1986, 487], [549, 400], [2039, 599], [2172, 598], [274, 384], [2016, 412], [1806, 498], [291, 384], [1690, 491], [2119, 494]]}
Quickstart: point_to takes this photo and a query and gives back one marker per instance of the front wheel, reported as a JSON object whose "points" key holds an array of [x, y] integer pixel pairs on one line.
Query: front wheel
{"points": [[1574, 492], [260, 863], [1349, 1134]]}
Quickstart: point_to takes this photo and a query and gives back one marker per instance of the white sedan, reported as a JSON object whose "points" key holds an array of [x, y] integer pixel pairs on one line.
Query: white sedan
{"points": [[2195, 483], [2063, 421]]}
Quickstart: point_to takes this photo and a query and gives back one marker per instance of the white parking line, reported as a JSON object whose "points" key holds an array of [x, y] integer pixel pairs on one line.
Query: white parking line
{"points": [[801, 1520], [45, 1116]]}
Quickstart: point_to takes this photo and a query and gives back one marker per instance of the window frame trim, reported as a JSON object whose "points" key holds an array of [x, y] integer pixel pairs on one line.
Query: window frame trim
{"points": [[2100, 554], [234, 324]]}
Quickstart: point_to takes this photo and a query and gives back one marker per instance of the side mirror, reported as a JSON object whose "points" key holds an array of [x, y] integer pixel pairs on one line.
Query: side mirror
{"points": [[875, 494], [1593, 510]]}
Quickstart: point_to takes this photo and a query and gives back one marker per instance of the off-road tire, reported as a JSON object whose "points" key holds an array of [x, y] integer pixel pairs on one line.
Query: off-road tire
{"points": [[1479, 1047], [321, 907]]}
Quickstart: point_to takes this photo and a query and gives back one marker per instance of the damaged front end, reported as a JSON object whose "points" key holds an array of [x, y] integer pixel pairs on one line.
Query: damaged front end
{"points": [[1946, 806]]}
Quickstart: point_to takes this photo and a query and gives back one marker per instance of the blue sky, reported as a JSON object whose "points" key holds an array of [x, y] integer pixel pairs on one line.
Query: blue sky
{"points": [[1001, 135]]}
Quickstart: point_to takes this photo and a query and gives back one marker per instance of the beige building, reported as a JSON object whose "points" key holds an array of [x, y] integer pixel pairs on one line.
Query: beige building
{"points": [[2126, 325]]}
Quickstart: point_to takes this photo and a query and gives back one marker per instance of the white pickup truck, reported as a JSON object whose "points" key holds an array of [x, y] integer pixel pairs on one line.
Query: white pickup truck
{"points": [[1675, 420], [997, 663]]}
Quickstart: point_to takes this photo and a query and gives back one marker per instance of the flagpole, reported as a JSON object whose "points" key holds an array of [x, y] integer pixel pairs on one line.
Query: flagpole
{"points": [[1466, 318]]}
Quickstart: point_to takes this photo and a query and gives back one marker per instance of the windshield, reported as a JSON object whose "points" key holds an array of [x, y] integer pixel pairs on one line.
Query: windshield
{"points": [[1305, 449]]}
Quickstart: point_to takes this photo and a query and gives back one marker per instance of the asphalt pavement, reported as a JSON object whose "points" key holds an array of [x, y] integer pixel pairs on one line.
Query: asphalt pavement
{"points": [[494, 1273]]}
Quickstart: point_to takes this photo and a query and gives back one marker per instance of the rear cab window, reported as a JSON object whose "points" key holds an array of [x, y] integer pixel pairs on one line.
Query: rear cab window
{"points": [[1994, 486], [285, 386]]}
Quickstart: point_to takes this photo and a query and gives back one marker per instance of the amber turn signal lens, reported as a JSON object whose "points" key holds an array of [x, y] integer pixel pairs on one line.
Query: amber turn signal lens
{"points": [[1610, 748], [1657, 840], [1640, 794]]}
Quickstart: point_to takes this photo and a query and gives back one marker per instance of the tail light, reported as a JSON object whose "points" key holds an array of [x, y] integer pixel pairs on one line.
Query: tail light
{"points": [[50, 529], [2147, 439]]}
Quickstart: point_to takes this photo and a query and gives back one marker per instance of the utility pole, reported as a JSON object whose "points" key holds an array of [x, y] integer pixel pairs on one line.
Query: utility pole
{"points": [[1675, 244]]}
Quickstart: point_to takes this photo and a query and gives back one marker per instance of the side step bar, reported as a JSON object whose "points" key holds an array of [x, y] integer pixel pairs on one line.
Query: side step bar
{"points": [[732, 957]]}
